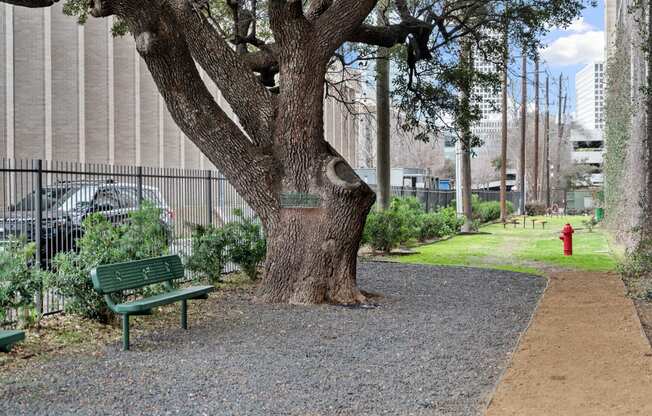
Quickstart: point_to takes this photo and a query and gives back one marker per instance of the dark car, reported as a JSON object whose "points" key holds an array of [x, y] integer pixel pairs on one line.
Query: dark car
{"points": [[65, 205]]}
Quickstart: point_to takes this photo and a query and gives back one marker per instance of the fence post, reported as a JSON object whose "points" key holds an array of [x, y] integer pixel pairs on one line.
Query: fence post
{"points": [[139, 182], [209, 195], [38, 227], [427, 200]]}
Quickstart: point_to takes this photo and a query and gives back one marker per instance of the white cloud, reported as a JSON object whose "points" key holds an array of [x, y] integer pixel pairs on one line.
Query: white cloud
{"points": [[580, 26], [578, 48]]}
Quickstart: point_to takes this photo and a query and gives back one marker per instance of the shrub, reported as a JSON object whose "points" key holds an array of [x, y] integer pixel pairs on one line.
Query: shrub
{"points": [[20, 278], [535, 208], [208, 255], [490, 211], [636, 270], [247, 246], [434, 225], [142, 236], [383, 230], [453, 221], [386, 229]]}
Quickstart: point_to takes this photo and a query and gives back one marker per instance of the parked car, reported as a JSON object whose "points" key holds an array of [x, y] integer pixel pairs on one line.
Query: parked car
{"points": [[65, 205]]}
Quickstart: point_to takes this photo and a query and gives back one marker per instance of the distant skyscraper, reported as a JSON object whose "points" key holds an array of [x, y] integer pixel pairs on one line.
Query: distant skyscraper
{"points": [[589, 92], [488, 129]]}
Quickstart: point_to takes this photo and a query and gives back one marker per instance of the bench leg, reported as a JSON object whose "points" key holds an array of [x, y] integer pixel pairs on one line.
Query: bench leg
{"points": [[184, 314], [125, 332]]}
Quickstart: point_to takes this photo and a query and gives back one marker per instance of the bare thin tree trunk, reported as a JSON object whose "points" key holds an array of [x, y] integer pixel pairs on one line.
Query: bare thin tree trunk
{"points": [[547, 144], [535, 185], [560, 131], [383, 163], [466, 61], [503, 141], [521, 173]]}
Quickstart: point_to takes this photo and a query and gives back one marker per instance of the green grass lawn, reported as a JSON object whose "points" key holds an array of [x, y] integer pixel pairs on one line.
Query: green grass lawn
{"points": [[521, 249]]}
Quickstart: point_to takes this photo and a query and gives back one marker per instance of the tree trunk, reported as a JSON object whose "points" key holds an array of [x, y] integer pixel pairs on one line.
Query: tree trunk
{"points": [[312, 252], [467, 192], [383, 163], [535, 185], [647, 226], [503, 141], [464, 122], [521, 167], [546, 168]]}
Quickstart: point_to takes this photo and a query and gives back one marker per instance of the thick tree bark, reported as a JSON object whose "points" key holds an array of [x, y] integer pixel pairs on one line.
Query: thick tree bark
{"points": [[647, 225], [312, 253]]}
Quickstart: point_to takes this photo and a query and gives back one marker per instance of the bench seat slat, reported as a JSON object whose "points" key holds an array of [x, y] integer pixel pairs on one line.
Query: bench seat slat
{"points": [[9, 338], [142, 305]]}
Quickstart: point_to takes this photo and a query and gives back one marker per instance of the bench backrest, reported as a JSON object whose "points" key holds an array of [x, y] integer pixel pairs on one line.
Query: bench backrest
{"points": [[111, 278]]}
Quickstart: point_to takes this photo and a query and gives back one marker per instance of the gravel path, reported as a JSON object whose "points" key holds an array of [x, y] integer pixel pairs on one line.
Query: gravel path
{"points": [[436, 345]]}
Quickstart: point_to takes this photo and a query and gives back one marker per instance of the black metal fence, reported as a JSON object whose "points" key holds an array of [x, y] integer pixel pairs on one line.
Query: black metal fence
{"points": [[46, 202], [70, 191], [432, 199]]}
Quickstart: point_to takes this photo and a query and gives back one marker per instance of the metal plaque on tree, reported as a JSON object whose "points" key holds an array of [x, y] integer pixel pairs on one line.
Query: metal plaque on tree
{"points": [[299, 200]]}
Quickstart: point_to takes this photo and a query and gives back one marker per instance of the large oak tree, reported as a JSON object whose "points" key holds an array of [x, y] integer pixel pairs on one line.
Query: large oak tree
{"points": [[270, 65]]}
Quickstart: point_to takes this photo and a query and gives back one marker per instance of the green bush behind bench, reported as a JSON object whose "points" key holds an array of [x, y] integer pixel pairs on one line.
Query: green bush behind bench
{"points": [[142, 236]]}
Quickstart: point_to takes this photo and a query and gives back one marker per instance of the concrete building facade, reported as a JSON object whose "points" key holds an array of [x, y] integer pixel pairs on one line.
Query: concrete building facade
{"points": [[589, 91], [76, 93], [587, 136]]}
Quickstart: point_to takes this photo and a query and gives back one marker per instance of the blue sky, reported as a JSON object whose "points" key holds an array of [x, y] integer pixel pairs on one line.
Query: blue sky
{"points": [[571, 49]]}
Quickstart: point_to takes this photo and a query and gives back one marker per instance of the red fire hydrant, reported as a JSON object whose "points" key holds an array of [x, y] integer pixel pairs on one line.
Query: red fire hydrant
{"points": [[567, 237]]}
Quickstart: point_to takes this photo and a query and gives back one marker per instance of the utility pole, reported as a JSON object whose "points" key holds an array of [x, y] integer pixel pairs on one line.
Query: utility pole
{"points": [[536, 128], [503, 142], [546, 175], [383, 167], [523, 129]]}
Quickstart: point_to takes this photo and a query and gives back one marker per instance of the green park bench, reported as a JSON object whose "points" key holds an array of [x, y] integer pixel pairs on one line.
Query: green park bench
{"points": [[120, 277], [9, 338]]}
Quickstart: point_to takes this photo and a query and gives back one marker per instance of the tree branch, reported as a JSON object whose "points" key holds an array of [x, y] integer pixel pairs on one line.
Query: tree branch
{"points": [[166, 53], [250, 100], [340, 21]]}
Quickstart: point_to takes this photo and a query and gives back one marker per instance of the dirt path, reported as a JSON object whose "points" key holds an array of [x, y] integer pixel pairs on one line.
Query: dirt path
{"points": [[584, 354]]}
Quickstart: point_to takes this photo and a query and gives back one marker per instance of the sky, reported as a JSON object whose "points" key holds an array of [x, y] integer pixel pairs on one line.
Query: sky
{"points": [[571, 49]]}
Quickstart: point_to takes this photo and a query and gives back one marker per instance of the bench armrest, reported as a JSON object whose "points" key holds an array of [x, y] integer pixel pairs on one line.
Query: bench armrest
{"points": [[109, 302]]}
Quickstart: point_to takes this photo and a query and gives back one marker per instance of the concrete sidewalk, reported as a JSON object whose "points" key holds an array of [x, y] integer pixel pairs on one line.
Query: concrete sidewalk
{"points": [[584, 354]]}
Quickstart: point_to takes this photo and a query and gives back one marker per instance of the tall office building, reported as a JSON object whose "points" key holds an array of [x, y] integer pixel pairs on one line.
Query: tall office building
{"points": [[589, 90], [588, 140], [76, 93], [488, 129]]}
